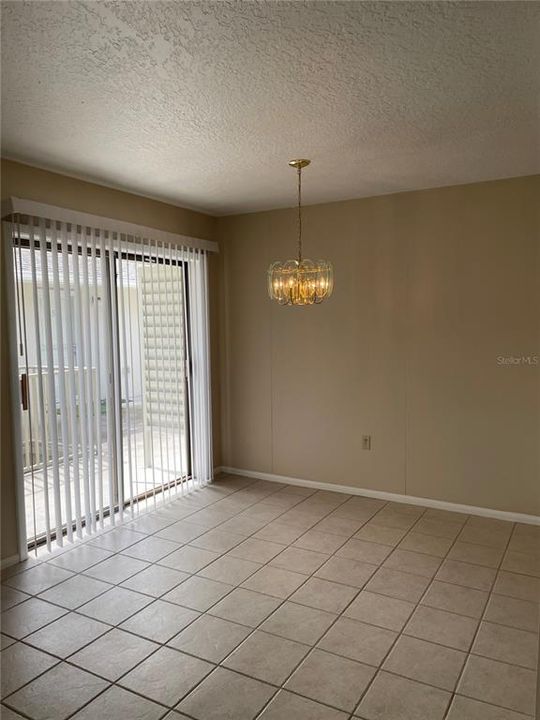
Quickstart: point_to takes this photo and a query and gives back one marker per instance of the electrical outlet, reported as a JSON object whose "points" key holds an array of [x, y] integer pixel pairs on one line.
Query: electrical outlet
{"points": [[366, 442]]}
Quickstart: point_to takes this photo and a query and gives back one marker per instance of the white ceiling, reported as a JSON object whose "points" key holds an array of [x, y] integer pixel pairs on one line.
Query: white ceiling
{"points": [[203, 103]]}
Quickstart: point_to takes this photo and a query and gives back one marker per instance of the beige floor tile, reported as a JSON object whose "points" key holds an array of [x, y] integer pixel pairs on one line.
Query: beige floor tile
{"points": [[506, 644], [380, 534], [324, 595], [217, 541], [525, 542], [74, 592], [230, 570], [380, 610], [498, 683], [181, 532], [412, 562], [116, 569], [113, 654], [119, 703], [456, 599], [11, 597], [151, 549], [273, 581], [522, 563], [198, 593], [20, 664], [7, 714], [115, 606], [259, 551], [445, 516], [29, 616], [117, 540], [267, 657], [522, 614], [298, 560], [485, 536], [287, 706], [405, 508], [476, 554], [298, 622], [491, 524], [319, 542], [425, 662], [370, 552], [189, 559], [330, 679], [41, 699], [340, 526], [523, 587], [394, 519], [348, 572], [155, 580], [226, 695], [38, 579], [160, 621], [463, 708], [6, 641], [460, 573], [439, 528], [67, 634], [245, 607], [149, 523], [210, 638], [439, 626], [403, 586], [395, 698], [279, 532], [358, 641], [80, 558], [166, 676], [428, 544]]}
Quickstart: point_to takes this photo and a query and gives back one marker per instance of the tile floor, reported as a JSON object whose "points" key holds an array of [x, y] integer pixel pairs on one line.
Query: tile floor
{"points": [[250, 599]]}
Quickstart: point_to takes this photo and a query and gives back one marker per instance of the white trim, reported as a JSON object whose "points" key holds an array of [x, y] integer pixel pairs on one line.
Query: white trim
{"points": [[393, 497], [9, 561], [52, 212]]}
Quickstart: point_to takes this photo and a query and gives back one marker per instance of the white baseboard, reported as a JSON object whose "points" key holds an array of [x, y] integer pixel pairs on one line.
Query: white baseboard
{"points": [[393, 497], [9, 561]]}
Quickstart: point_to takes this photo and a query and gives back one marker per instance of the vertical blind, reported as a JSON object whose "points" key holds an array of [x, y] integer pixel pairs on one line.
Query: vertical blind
{"points": [[113, 363]]}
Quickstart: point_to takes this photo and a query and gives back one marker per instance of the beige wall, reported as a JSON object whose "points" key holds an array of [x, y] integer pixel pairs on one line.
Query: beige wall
{"points": [[431, 288], [31, 183]]}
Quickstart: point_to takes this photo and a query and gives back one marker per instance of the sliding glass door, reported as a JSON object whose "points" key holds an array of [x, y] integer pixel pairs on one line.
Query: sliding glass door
{"points": [[104, 367]]}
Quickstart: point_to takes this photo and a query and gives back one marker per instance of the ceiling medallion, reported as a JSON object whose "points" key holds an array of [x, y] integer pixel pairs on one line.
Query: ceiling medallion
{"points": [[301, 281]]}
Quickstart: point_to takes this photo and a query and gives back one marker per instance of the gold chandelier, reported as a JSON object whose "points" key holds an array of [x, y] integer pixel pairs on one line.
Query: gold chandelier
{"points": [[301, 281]]}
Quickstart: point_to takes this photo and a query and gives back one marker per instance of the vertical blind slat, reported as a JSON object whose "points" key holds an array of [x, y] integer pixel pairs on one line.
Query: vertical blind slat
{"points": [[97, 382], [72, 381], [89, 365], [62, 384], [81, 362], [41, 396], [51, 392]]}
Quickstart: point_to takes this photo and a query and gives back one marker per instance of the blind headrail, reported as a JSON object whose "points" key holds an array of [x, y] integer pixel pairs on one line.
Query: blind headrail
{"points": [[51, 212]]}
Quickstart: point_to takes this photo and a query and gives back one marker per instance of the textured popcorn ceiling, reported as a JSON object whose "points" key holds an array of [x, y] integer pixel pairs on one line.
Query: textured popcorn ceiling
{"points": [[202, 103]]}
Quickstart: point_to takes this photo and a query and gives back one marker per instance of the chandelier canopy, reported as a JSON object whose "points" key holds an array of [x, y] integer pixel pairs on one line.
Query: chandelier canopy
{"points": [[301, 281]]}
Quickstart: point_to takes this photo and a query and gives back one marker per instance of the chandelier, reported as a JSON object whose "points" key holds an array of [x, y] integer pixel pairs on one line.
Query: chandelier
{"points": [[301, 281]]}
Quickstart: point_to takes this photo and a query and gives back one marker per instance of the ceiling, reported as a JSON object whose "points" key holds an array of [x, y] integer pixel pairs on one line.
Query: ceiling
{"points": [[203, 103]]}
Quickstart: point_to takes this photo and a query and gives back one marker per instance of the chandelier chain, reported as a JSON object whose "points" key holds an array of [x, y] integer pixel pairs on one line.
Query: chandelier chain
{"points": [[299, 214]]}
